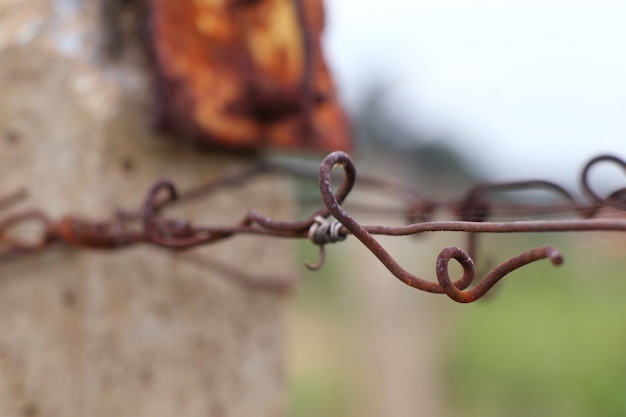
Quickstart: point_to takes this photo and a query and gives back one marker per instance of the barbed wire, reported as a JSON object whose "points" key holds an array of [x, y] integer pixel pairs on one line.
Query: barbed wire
{"points": [[470, 214]]}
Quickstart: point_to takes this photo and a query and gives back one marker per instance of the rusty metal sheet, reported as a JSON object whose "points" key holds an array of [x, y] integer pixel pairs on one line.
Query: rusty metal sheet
{"points": [[245, 75]]}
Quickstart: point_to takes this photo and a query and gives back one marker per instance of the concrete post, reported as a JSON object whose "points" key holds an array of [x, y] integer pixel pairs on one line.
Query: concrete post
{"points": [[133, 332]]}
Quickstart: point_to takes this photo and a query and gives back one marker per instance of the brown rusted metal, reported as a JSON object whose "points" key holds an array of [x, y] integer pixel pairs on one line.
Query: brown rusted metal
{"points": [[245, 75], [471, 213]]}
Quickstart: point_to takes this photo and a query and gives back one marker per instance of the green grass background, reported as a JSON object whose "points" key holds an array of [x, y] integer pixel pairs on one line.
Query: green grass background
{"points": [[547, 342], [550, 342]]}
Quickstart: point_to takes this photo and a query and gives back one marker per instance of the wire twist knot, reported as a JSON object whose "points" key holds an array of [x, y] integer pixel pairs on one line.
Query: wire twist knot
{"points": [[322, 231]]}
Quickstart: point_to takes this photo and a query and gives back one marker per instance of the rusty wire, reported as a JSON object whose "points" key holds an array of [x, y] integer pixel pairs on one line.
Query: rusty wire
{"points": [[470, 214]]}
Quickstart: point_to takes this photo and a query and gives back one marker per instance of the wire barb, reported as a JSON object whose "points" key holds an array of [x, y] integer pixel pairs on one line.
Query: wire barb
{"points": [[322, 232]]}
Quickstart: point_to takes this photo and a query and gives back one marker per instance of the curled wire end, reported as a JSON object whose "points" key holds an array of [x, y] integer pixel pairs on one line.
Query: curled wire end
{"points": [[616, 199], [554, 256], [10, 246], [152, 203], [322, 232], [320, 260], [492, 278], [155, 228]]}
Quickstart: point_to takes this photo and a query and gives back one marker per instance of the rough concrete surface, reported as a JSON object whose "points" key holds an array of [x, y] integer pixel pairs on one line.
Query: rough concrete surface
{"points": [[133, 332]]}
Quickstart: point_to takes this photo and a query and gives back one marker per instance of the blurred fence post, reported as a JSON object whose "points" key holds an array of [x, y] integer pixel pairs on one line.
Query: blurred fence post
{"points": [[134, 332]]}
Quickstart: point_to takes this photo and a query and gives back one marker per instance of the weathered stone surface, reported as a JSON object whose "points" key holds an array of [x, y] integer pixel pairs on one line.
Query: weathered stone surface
{"points": [[134, 332]]}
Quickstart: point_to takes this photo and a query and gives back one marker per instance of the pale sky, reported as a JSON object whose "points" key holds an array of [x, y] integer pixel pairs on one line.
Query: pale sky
{"points": [[536, 86]]}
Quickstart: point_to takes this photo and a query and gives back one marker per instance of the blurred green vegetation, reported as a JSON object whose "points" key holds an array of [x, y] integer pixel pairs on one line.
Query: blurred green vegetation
{"points": [[548, 343]]}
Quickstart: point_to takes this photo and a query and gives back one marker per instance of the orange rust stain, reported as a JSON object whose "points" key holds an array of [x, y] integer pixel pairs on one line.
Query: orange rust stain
{"points": [[245, 74]]}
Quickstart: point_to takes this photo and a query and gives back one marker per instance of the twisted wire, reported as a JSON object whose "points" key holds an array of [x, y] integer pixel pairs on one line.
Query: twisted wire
{"points": [[472, 213]]}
